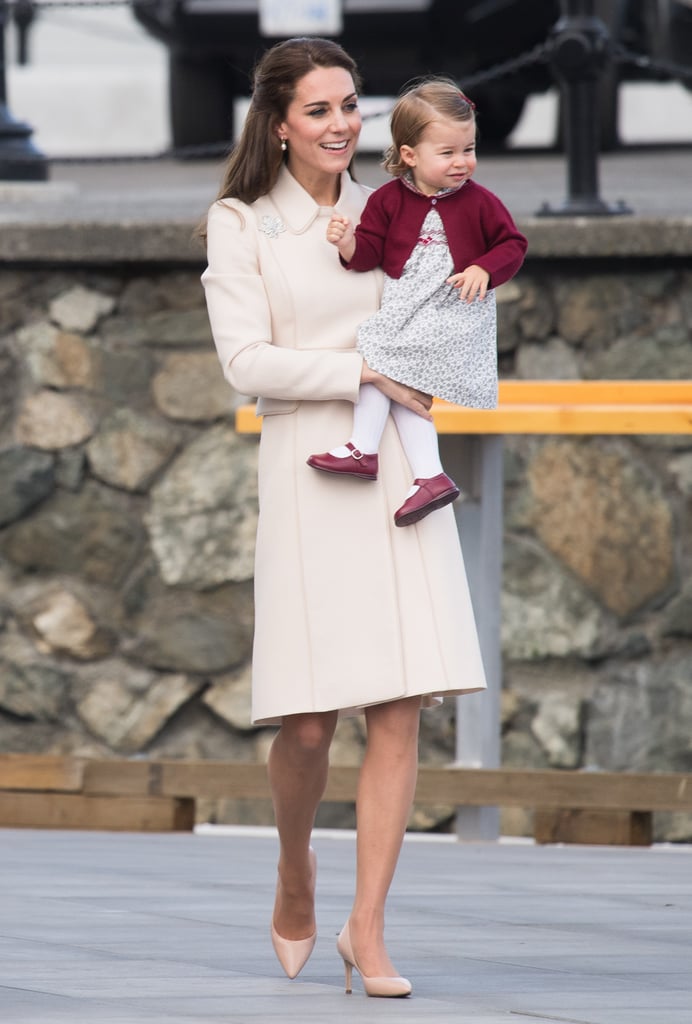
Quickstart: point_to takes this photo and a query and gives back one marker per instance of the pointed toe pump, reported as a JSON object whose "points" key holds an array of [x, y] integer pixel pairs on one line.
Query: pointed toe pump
{"points": [[387, 987], [292, 954]]}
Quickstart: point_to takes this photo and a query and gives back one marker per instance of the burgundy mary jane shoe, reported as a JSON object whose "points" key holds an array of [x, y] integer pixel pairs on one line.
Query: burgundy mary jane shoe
{"points": [[436, 492], [356, 464]]}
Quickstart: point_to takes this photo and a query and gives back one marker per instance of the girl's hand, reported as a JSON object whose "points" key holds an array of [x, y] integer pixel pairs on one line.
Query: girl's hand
{"points": [[340, 232], [339, 229], [472, 283], [416, 401]]}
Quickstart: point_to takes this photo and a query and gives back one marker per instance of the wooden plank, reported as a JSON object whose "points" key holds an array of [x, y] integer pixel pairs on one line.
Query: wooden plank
{"points": [[595, 392], [542, 419], [513, 787], [508, 787], [610, 828], [211, 779], [247, 421], [560, 407], [98, 813], [235, 780], [44, 772], [504, 787], [122, 778], [565, 419]]}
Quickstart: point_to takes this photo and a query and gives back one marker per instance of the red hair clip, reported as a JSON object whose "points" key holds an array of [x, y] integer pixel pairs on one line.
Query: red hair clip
{"points": [[465, 97]]}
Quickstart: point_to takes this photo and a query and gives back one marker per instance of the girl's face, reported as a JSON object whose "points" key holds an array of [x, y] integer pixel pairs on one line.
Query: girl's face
{"points": [[445, 156], [322, 125]]}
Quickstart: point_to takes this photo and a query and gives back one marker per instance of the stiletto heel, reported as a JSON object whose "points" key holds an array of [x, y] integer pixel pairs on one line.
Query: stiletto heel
{"points": [[348, 971], [293, 954], [388, 987]]}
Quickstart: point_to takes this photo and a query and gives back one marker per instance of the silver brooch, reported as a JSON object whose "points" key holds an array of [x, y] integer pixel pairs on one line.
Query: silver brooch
{"points": [[272, 226]]}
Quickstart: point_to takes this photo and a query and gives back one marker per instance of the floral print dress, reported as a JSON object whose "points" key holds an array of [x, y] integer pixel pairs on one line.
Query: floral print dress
{"points": [[423, 335]]}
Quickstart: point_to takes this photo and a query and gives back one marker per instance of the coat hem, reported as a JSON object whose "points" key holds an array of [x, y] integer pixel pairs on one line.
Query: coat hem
{"points": [[428, 701]]}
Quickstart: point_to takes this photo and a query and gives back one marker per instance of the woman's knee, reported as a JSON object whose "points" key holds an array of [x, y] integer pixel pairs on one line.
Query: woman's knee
{"points": [[310, 734], [400, 719]]}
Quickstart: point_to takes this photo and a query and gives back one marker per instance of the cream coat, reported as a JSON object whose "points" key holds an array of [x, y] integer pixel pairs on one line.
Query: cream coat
{"points": [[349, 609]]}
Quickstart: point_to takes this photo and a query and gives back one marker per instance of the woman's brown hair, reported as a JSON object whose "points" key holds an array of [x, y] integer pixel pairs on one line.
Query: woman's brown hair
{"points": [[431, 99], [254, 164]]}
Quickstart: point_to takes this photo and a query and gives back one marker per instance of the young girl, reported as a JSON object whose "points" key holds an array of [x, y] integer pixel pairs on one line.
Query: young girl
{"points": [[444, 243]]}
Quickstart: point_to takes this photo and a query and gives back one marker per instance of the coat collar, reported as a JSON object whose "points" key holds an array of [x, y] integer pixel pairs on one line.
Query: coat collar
{"points": [[298, 210]]}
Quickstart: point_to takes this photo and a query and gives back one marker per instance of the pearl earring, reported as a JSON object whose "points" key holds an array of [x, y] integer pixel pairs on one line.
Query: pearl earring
{"points": [[284, 145]]}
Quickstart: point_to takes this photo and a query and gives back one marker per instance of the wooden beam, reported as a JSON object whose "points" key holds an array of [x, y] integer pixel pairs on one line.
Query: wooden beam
{"points": [[227, 779], [473, 787], [595, 392], [43, 772], [239, 780], [565, 419], [122, 778], [503, 787], [514, 787], [560, 407], [98, 813], [600, 828]]}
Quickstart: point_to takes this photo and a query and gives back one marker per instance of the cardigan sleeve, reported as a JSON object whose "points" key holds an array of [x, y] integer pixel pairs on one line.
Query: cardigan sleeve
{"points": [[241, 322], [371, 235], [505, 244]]}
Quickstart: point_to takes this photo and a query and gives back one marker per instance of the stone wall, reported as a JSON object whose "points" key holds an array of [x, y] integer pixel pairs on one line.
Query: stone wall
{"points": [[128, 510]]}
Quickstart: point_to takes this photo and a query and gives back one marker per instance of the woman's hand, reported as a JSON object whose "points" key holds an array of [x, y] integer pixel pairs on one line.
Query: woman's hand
{"points": [[416, 401]]}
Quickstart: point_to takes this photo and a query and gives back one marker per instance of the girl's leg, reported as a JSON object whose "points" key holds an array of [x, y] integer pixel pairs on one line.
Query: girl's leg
{"points": [[419, 441], [369, 418], [432, 488], [386, 787], [298, 765]]}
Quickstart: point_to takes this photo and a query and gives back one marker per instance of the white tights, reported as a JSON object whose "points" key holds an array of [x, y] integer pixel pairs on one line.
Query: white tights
{"points": [[418, 436]]}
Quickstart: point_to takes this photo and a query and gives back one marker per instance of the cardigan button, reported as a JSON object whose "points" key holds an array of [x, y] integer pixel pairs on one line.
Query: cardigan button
{"points": [[434, 202]]}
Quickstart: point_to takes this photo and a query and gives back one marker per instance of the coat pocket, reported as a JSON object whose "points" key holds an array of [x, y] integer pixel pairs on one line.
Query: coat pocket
{"points": [[275, 406]]}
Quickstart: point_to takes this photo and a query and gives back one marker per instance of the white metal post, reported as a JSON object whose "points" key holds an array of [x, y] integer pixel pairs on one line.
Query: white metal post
{"points": [[476, 463]]}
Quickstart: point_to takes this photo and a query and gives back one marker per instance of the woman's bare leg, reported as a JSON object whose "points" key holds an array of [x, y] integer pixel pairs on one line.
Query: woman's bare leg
{"points": [[298, 765], [385, 794]]}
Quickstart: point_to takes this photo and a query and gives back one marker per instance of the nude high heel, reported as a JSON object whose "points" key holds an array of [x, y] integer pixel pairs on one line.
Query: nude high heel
{"points": [[293, 954], [391, 987]]}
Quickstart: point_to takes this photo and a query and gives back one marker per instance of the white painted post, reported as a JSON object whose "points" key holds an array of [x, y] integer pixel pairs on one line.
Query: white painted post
{"points": [[476, 463]]}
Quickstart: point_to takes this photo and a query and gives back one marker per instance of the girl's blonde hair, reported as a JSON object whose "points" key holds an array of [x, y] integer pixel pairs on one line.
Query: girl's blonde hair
{"points": [[431, 99]]}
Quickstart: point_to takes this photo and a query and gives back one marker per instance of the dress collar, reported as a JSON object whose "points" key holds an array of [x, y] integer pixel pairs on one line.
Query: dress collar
{"points": [[407, 180]]}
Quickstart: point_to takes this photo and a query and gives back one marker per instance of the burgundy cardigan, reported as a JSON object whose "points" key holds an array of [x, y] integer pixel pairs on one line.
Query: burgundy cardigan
{"points": [[479, 230]]}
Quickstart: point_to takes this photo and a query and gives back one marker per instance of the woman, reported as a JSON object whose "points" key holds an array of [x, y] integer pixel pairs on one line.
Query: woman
{"points": [[284, 316]]}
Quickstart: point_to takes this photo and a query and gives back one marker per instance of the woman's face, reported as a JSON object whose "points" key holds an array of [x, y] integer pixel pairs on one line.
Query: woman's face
{"points": [[322, 125]]}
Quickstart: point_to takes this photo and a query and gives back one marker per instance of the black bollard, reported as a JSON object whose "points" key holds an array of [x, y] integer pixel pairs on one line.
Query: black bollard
{"points": [[19, 158], [579, 52]]}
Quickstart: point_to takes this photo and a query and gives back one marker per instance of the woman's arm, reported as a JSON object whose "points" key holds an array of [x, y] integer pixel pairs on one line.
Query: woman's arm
{"points": [[416, 401], [241, 322]]}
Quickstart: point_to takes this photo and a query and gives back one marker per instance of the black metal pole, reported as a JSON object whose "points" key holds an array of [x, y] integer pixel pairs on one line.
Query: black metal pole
{"points": [[19, 158], [579, 53]]}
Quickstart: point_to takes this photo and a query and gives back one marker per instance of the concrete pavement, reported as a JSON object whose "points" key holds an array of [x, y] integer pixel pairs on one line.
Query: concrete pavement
{"points": [[146, 929]]}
